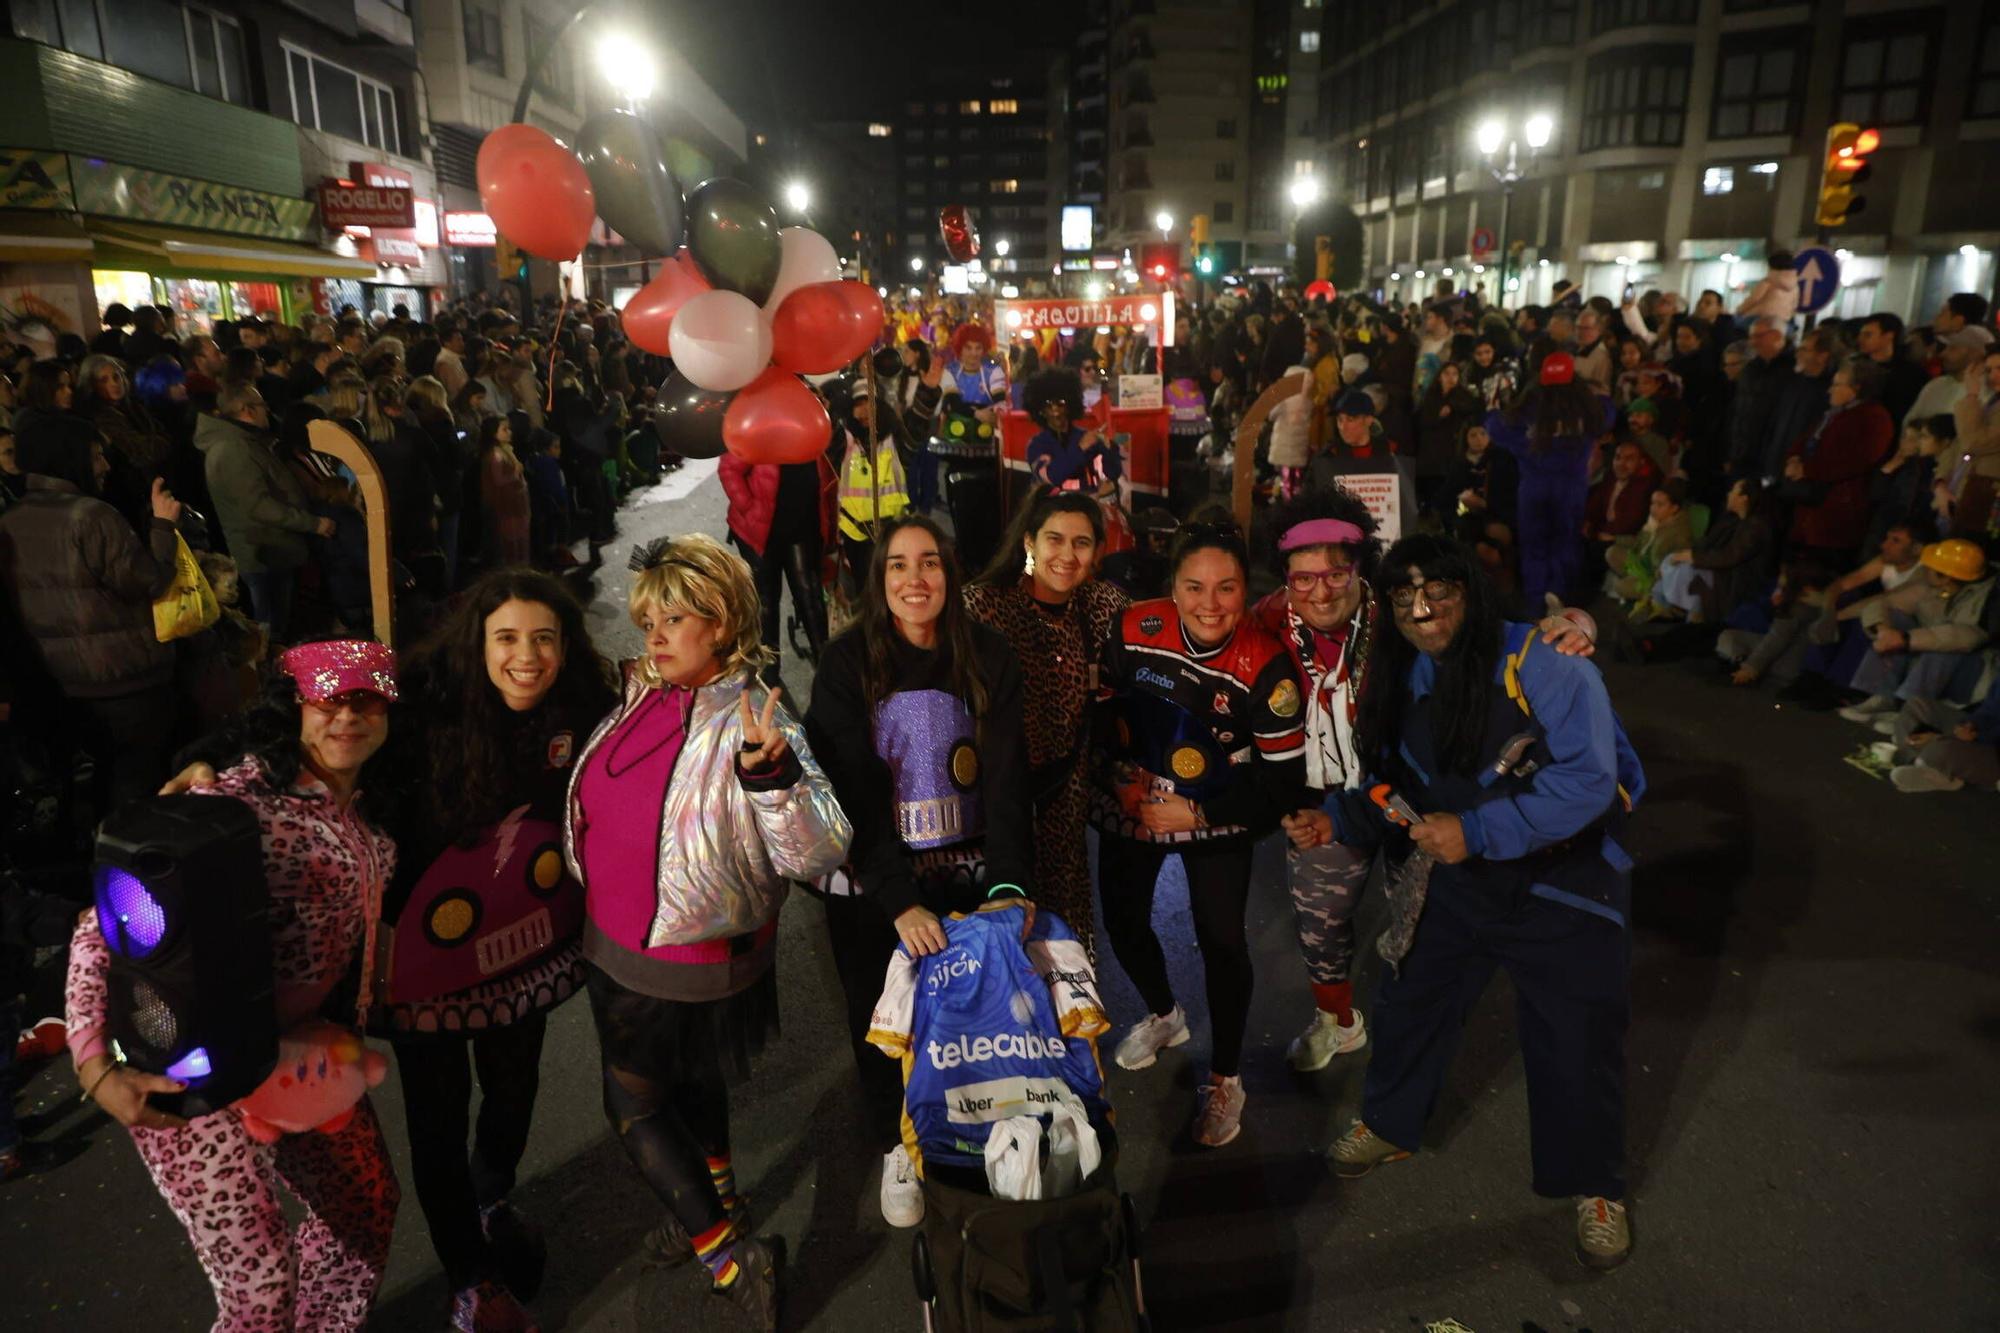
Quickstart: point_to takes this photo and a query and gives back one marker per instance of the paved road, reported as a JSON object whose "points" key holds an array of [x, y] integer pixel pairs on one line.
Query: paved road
{"points": [[1812, 1080]]}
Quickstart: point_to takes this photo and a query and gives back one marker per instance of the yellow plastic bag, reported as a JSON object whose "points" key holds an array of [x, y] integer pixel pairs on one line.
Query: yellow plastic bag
{"points": [[189, 605]]}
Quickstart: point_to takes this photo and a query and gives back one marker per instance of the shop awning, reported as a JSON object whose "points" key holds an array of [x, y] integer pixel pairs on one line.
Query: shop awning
{"points": [[27, 238], [166, 251]]}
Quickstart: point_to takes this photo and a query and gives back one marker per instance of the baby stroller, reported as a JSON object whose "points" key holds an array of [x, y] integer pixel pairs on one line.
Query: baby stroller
{"points": [[995, 1029], [982, 1263]]}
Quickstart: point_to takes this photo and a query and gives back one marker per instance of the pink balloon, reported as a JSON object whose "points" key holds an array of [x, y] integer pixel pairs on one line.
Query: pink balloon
{"points": [[535, 191], [649, 316], [777, 419], [720, 340]]}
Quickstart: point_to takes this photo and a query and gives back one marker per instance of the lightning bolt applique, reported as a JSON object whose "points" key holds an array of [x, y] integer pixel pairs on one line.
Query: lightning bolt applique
{"points": [[505, 836]]}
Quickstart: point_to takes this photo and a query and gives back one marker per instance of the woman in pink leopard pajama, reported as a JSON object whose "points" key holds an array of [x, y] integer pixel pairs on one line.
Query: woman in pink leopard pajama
{"points": [[319, 721]]}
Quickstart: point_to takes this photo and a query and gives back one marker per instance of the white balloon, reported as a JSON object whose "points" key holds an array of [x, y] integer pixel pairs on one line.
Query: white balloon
{"points": [[808, 258], [720, 340]]}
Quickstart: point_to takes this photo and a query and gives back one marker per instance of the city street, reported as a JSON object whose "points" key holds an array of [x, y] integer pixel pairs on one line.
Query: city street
{"points": [[1812, 1078]]}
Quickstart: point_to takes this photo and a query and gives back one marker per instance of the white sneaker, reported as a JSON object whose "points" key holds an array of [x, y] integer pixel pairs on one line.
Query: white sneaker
{"points": [[1148, 1037], [902, 1196], [1886, 724], [1870, 708], [1922, 777], [1324, 1038]]}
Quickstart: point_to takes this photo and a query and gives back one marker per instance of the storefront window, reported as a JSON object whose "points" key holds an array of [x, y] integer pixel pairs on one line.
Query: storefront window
{"points": [[121, 287], [255, 298], [386, 299], [197, 302], [341, 293]]}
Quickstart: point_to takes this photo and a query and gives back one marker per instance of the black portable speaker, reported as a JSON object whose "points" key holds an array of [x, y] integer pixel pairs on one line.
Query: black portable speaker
{"points": [[181, 899]]}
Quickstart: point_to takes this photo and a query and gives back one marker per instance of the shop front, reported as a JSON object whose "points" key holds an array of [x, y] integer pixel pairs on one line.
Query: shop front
{"points": [[78, 234], [383, 213]]}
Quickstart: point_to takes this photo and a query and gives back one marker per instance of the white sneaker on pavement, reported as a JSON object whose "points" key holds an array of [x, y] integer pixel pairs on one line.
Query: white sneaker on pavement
{"points": [[1871, 708], [1325, 1037], [1922, 777], [902, 1196], [1149, 1036]]}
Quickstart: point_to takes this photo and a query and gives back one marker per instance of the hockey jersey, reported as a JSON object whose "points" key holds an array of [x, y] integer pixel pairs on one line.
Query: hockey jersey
{"points": [[1198, 722], [989, 1028]]}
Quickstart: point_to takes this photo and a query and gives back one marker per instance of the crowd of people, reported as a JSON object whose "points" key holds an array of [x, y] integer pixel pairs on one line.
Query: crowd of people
{"points": [[987, 710]]}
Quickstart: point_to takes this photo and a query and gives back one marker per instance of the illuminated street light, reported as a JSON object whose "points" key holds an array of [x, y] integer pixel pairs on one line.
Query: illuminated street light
{"points": [[626, 66], [1165, 222], [1001, 247], [1539, 130], [1305, 191], [1507, 169], [916, 264], [1490, 135], [797, 196]]}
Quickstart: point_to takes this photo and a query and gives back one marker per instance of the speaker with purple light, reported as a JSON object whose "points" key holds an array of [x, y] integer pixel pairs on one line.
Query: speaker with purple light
{"points": [[181, 899]]}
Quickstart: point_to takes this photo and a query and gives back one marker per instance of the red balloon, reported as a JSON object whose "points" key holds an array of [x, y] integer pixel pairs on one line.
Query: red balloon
{"points": [[649, 315], [1321, 289], [776, 419], [535, 191], [824, 325], [961, 238]]}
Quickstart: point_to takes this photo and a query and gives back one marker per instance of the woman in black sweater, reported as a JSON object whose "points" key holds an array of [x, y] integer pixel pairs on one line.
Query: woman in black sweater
{"points": [[916, 717]]}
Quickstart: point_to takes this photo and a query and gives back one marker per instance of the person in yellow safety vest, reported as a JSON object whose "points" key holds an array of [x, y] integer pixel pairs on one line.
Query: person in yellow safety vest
{"points": [[870, 491]]}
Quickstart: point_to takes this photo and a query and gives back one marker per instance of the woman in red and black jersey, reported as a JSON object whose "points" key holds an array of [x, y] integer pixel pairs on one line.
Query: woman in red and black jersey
{"points": [[1208, 754]]}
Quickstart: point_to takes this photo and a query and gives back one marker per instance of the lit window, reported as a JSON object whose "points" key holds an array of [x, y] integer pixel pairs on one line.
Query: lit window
{"points": [[968, 108], [1002, 106], [1718, 180], [877, 130], [1003, 187], [1304, 166], [1309, 41]]}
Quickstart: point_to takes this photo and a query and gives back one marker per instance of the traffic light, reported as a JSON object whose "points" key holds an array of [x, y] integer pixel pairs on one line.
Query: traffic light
{"points": [[1160, 261], [1848, 147], [1198, 229], [509, 260], [1322, 258], [1204, 263]]}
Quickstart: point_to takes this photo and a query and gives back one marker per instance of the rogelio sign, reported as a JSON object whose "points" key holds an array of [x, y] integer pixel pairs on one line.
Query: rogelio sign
{"points": [[343, 205], [474, 229]]}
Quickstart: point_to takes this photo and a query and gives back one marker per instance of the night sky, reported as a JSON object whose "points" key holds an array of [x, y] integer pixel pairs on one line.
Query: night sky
{"points": [[779, 62]]}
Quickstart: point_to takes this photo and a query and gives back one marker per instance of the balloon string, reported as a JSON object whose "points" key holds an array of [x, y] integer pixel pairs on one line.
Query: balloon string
{"points": [[555, 346], [619, 263]]}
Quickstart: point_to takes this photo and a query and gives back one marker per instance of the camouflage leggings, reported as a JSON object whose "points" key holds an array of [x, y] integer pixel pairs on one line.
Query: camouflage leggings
{"points": [[1326, 884]]}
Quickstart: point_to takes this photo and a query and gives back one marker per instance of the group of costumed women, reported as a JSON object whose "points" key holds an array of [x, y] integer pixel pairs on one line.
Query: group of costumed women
{"points": [[635, 839]]}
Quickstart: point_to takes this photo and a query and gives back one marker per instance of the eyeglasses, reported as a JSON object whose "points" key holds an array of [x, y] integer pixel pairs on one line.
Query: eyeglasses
{"points": [[1437, 592], [1303, 581], [362, 703]]}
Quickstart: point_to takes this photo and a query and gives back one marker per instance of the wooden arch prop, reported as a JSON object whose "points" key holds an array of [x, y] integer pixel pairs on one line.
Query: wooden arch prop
{"points": [[1243, 472], [335, 440]]}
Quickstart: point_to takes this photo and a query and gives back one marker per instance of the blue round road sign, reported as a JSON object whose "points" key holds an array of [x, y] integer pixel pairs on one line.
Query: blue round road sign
{"points": [[1819, 278]]}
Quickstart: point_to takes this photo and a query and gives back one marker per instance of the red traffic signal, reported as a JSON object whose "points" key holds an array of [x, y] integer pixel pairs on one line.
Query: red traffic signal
{"points": [[1160, 261], [1847, 148]]}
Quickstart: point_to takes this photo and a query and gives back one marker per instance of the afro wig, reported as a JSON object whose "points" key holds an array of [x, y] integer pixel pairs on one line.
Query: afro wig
{"points": [[1057, 384]]}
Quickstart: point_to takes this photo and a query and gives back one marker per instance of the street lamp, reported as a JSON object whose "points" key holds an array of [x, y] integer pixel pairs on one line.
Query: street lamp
{"points": [[626, 66], [1304, 192], [797, 196], [916, 263], [1492, 135], [1165, 222], [1001, 247]]}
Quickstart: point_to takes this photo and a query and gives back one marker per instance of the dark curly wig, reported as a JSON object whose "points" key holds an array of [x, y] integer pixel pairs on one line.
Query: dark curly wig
{"points": [[1330, 502], [1055, 384]]}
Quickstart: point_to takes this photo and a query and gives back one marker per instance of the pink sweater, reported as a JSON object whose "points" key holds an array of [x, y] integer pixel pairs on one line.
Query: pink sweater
{"points": [[327, 868], [620, 796]]}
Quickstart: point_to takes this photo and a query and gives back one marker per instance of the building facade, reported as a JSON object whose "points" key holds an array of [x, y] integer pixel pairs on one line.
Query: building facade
{"points": [[980, 141], [1687, 144], [166, 153]]}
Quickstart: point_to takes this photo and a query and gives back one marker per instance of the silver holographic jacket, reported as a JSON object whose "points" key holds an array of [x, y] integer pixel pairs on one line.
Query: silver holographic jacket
{"points": [[726, 851]]}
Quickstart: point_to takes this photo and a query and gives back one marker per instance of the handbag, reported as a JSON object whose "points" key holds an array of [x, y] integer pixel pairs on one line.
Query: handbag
{"points": [[188, 606]]}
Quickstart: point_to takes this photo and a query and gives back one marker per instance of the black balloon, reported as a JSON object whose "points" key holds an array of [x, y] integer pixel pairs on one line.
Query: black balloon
{"points": [[637, 196], [689, 417], [732, 236]]}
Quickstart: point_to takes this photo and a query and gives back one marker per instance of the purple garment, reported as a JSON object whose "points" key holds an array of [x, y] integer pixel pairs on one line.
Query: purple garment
{"points": [[928, 740], [620, 797]]}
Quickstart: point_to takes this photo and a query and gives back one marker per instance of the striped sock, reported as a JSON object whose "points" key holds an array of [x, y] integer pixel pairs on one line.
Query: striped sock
{"points": [[716, 1247], [723, 1177]]}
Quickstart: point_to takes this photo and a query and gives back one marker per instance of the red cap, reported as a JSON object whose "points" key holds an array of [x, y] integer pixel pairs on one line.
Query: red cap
{"points": [[1558, 368]]}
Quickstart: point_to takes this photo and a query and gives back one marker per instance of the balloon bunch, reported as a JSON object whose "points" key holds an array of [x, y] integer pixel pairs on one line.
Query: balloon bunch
{"points": [[742, 306]]}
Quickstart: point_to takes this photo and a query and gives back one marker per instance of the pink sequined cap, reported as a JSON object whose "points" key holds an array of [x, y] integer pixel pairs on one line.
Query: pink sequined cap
{"points": [[337, 666]]}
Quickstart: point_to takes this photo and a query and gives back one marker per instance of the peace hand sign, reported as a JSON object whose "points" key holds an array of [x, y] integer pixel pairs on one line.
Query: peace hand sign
{"points": [[763, 744]]}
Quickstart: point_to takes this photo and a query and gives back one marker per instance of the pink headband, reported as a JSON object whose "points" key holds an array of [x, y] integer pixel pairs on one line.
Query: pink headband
{"points": [[327, 670], [1321, 532]]}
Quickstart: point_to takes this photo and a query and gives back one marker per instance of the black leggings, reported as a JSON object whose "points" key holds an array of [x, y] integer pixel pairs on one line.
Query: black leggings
{"points": [[1218, 876], [437, 1094], [789, 560], [671, 1121]]}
